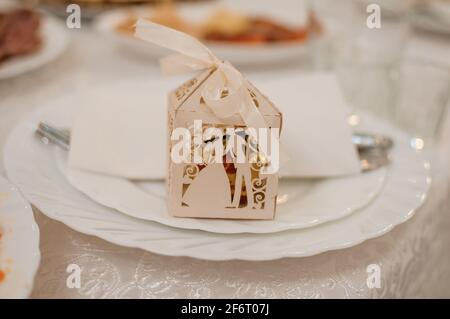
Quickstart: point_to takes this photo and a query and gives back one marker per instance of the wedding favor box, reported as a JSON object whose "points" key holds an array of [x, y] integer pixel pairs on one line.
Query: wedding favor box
{"points": [[216, 109], [219, 190], [128, 146]]}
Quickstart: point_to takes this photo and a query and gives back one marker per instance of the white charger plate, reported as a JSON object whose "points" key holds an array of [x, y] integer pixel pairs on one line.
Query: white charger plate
{"points": [[55, 41], [31, 166], [19, 243], [302, 202], [238, 54]]}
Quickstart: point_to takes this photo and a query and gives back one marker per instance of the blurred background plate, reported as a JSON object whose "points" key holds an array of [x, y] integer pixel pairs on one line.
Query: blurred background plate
{"points": [[19, 243], [293, 14]]}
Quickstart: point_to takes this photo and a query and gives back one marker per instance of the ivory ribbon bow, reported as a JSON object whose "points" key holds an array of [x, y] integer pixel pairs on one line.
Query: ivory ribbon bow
{"points": [[192, 55]]}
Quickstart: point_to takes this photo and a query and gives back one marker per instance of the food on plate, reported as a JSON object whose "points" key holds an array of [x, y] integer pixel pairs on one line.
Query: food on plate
{"points": [[227, 26], [19, 33], [2, 276], [2, 273], [165, 15], [227, 23]]}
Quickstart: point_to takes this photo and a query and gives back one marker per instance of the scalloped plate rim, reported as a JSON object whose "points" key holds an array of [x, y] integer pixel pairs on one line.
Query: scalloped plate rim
{"points": [[225, 247]]}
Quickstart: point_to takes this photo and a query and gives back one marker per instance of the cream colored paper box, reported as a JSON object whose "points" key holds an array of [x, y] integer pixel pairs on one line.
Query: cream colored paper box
{"points": [[223, 152], [218, 190]]}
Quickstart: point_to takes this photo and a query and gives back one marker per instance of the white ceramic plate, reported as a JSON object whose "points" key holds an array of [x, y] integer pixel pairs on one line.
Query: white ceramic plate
{"points": [[19, 243], [31, 166], [302, 203], [238, 54], [55, 41]]}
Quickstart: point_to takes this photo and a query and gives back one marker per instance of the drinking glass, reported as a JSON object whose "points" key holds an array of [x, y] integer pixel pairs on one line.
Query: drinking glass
{"points": [[421, 93], [350, 36], [362, 54]]}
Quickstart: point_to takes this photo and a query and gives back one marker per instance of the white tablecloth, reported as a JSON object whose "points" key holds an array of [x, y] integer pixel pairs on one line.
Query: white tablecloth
{"points": [[414, 257]]}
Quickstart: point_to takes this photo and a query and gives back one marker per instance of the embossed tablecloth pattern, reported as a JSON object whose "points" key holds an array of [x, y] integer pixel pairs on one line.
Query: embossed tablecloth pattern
{"points": [[413, 257]]}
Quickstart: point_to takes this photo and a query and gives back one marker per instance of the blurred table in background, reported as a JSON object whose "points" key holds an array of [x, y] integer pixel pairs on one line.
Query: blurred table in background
{"points": [[411, 256]]}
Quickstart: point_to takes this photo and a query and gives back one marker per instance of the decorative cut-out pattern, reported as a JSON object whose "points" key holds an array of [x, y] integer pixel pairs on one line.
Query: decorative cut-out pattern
{"points": [[209, 184], [244, 181], [254, 98], [184, 89]]}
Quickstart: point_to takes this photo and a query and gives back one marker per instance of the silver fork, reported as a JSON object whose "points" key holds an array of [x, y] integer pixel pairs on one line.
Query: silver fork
{"points": [[57, 136]]}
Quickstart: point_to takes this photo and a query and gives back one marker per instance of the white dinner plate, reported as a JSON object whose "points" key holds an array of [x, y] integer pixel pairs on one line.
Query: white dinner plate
{"points": [[238, 54], [31, 166], [55, 40], [19, 243], [302, 202]]}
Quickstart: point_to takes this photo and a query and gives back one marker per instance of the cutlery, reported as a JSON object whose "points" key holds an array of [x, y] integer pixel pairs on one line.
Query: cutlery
{"points": [[372, 148], [59, 137], [373, 158], [364, 141]]}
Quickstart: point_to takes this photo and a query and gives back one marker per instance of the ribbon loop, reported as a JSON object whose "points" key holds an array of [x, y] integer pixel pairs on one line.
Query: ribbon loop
{"points": [[173, 40], [225, 93], [177, 63]]}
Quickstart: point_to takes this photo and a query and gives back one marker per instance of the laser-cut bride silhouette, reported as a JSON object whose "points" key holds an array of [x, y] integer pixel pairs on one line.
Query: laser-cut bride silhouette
{"points": [[211, 187]]}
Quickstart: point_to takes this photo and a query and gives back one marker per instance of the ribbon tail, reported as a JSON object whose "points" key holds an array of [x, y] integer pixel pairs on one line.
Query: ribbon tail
{"points": [[174, 40], [176, 64]]}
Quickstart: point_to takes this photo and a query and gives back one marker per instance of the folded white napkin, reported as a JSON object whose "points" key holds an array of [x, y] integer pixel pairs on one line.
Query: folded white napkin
{"points": [[122, 130], [315, 132]]}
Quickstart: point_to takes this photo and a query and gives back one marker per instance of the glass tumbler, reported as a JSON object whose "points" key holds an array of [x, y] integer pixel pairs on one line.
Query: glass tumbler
{"points": [[421, 97], [364, 56]]}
